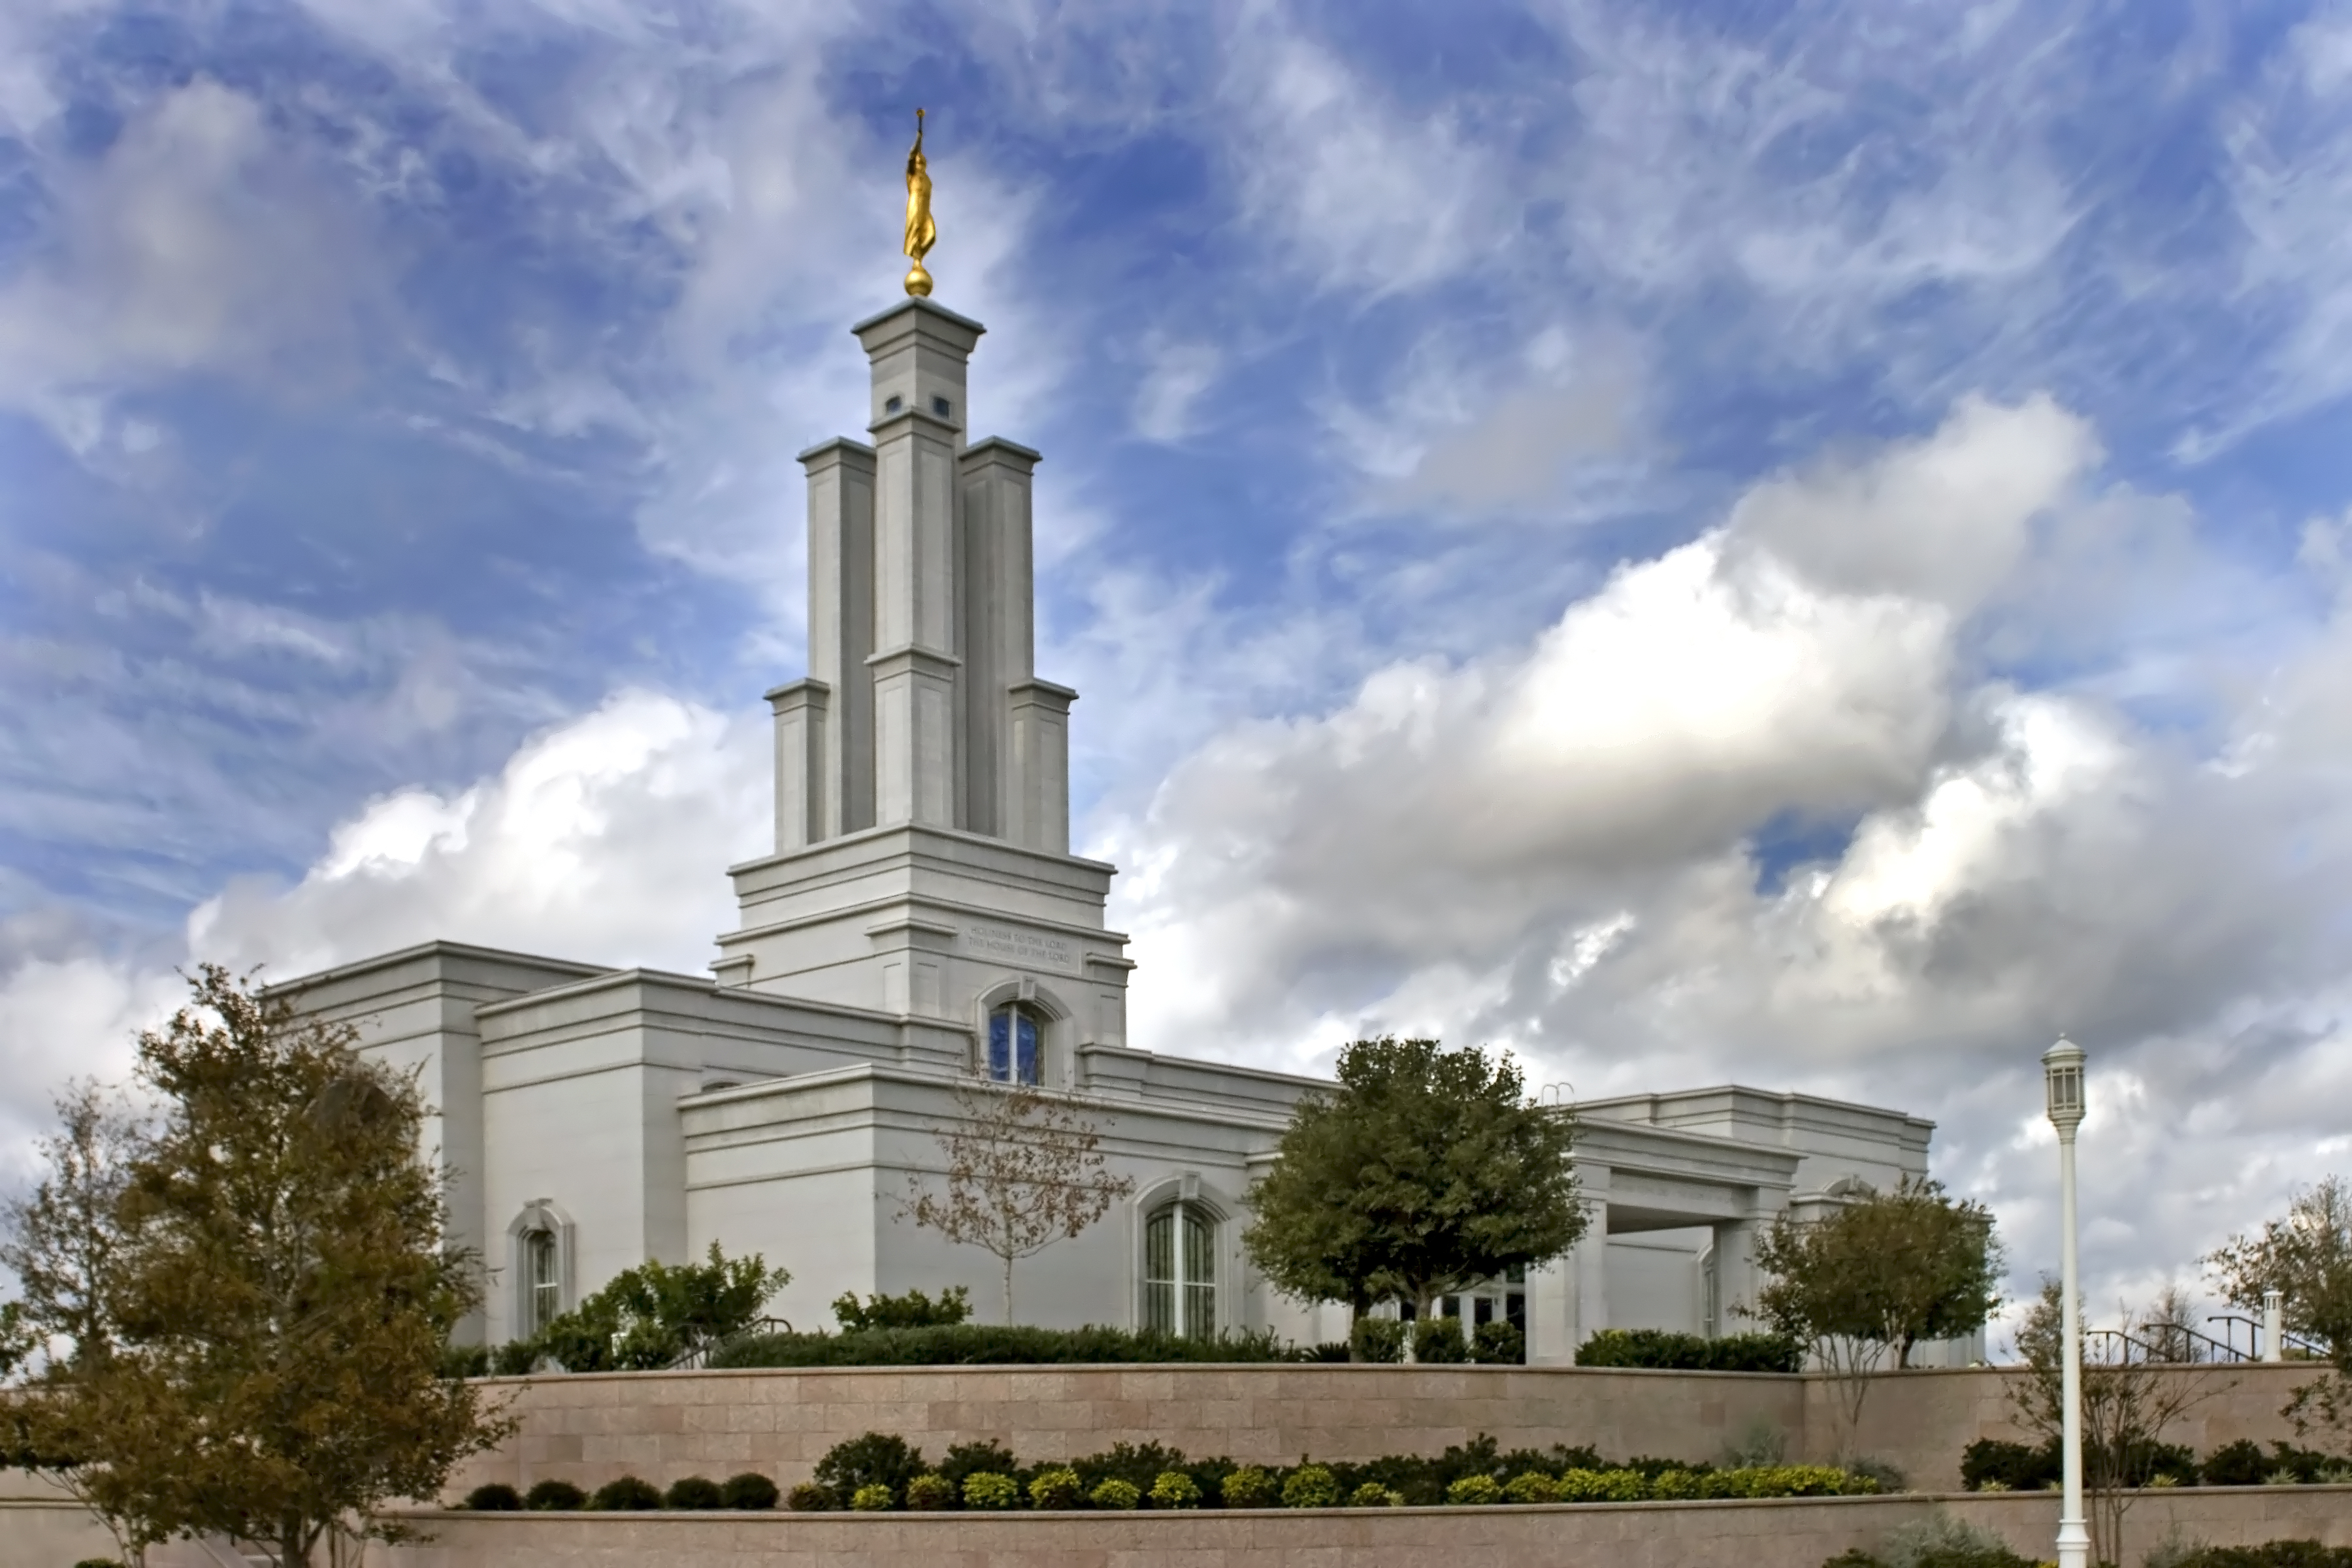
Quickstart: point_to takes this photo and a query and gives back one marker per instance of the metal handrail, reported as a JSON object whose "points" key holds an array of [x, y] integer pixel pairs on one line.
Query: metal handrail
{"points": [[2318, 1349], [697, 1355], [2154, 1355]]}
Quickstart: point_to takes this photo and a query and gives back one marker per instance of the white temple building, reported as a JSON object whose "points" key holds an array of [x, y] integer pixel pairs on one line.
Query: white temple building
{"points": [[922, 919]]}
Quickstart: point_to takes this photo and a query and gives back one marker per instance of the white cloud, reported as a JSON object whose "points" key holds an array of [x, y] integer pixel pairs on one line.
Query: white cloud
{"points": [[197, 243], [604, 840], [1175, 376], [1365, 194], [1555, 848], [1946, 521]]}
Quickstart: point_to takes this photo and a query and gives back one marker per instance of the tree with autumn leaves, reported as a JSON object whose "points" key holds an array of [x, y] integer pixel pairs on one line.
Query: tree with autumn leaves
{"points": [[238, 1290]]}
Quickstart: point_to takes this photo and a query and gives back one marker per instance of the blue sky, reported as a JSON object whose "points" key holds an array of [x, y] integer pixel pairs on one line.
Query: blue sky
{"points": [[1801, 544]]}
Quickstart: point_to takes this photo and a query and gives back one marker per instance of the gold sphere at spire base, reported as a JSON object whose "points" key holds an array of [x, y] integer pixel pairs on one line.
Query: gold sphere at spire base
{"points": [[918, 282]]}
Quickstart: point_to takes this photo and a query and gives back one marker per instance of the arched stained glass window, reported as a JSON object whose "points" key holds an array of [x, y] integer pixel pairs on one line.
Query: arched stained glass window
{"points": [[1013, 1033], [1180, 1271]]}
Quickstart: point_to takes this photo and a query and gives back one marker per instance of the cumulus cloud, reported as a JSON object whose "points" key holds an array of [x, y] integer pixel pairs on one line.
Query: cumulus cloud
{"points": [[604, 840], [1565, 848]]}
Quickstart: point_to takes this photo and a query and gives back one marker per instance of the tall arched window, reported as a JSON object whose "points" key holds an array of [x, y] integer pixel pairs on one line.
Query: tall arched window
{"points": [[1015, 1033], [1180, 1271]]}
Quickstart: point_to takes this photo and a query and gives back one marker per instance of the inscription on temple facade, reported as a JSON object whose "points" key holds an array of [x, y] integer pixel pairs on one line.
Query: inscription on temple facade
{"points": [[1010, 944]]}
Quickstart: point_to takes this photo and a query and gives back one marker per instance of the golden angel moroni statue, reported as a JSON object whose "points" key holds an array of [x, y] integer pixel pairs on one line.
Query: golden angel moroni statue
{"points": [[921, 233]]}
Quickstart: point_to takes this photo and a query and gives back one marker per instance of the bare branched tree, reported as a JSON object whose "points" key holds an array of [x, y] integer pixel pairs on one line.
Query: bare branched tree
{"points": [[2129, 1400], [1024, 1169]]}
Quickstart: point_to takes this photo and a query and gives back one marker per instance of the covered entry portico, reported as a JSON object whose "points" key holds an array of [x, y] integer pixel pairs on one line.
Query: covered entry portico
{"points": [[1679, 1187]]}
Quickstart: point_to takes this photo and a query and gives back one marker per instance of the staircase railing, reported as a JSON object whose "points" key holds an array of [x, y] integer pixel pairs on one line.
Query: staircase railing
{"points": [[699, 1353]]}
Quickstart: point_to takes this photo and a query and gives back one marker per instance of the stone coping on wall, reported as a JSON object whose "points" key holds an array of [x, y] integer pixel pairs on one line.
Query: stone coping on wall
{"points": [[1780, 1532]]}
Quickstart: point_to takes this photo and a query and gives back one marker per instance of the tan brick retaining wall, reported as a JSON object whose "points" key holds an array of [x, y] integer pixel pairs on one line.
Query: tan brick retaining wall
{"points": [[1792, 1533], [592, 1427]]}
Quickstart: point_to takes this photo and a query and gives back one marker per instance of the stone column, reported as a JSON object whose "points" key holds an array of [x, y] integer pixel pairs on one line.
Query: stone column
{"points": [[1000, 647], [1735, 1275], [1551, 1315], [802, 754], [1590, 1261], [918, 352], [1038, 776], [841, 630]]}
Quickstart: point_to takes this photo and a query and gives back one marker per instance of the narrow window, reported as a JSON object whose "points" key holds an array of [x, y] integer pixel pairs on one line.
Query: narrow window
{"points": [[1180, 1272], [1014, 1032], [543, 1281]]}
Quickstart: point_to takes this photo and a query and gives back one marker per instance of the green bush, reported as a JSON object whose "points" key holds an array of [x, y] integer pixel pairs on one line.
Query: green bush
{"points": [[493, 1497], [1379, 1340], [1249, 1486], [1311, 1486], [1676, 1486], [1604, 1486], [872, 1498], [2270, 1554], [516, 1358], [748, 1492], [999, 1344], [877, 1458], [554, 1496], [810, 1497], [1438, 1342], [1532, 1486], [1115, 1493], [1056, 1488], [991, 1490], [968, 1460], [465, 1361], [695, 1493], [912, 1310], [1660, 1348], [626, 1494], [1371, 1494], [1174, 1489], [1474, 1492], [1938, 1540], [930, 1493], [99, 1563], [647, 1317], [1498, 1344], [2238, 1464]]}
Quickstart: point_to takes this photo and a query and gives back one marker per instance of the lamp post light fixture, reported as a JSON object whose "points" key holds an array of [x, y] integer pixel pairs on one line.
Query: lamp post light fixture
{"points": [[2061, 1078]]}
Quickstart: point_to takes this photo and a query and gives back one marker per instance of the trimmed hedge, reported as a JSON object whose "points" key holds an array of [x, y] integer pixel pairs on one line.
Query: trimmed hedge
{"points": [[879, 1470], [997, 1344], [2270, 1554], [1666, 1350]]}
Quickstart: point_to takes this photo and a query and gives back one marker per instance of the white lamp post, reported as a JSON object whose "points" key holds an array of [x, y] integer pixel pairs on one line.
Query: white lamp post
{"points": [[2062, 1077]]}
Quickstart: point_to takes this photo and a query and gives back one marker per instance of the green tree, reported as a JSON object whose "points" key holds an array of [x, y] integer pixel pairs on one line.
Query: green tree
{"points": [[649, 1316], [1424, 1170], [1879, 1274], [2306, 1257], [62, 1247], [254, 1346]]}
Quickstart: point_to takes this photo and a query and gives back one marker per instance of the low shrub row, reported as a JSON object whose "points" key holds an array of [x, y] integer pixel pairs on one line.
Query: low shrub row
{"points": [[1991, 1464], [881, 1471], [2270, 1554], [996, 1344], [749, 1491], [1436, 1342], [1661, 1348]]}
